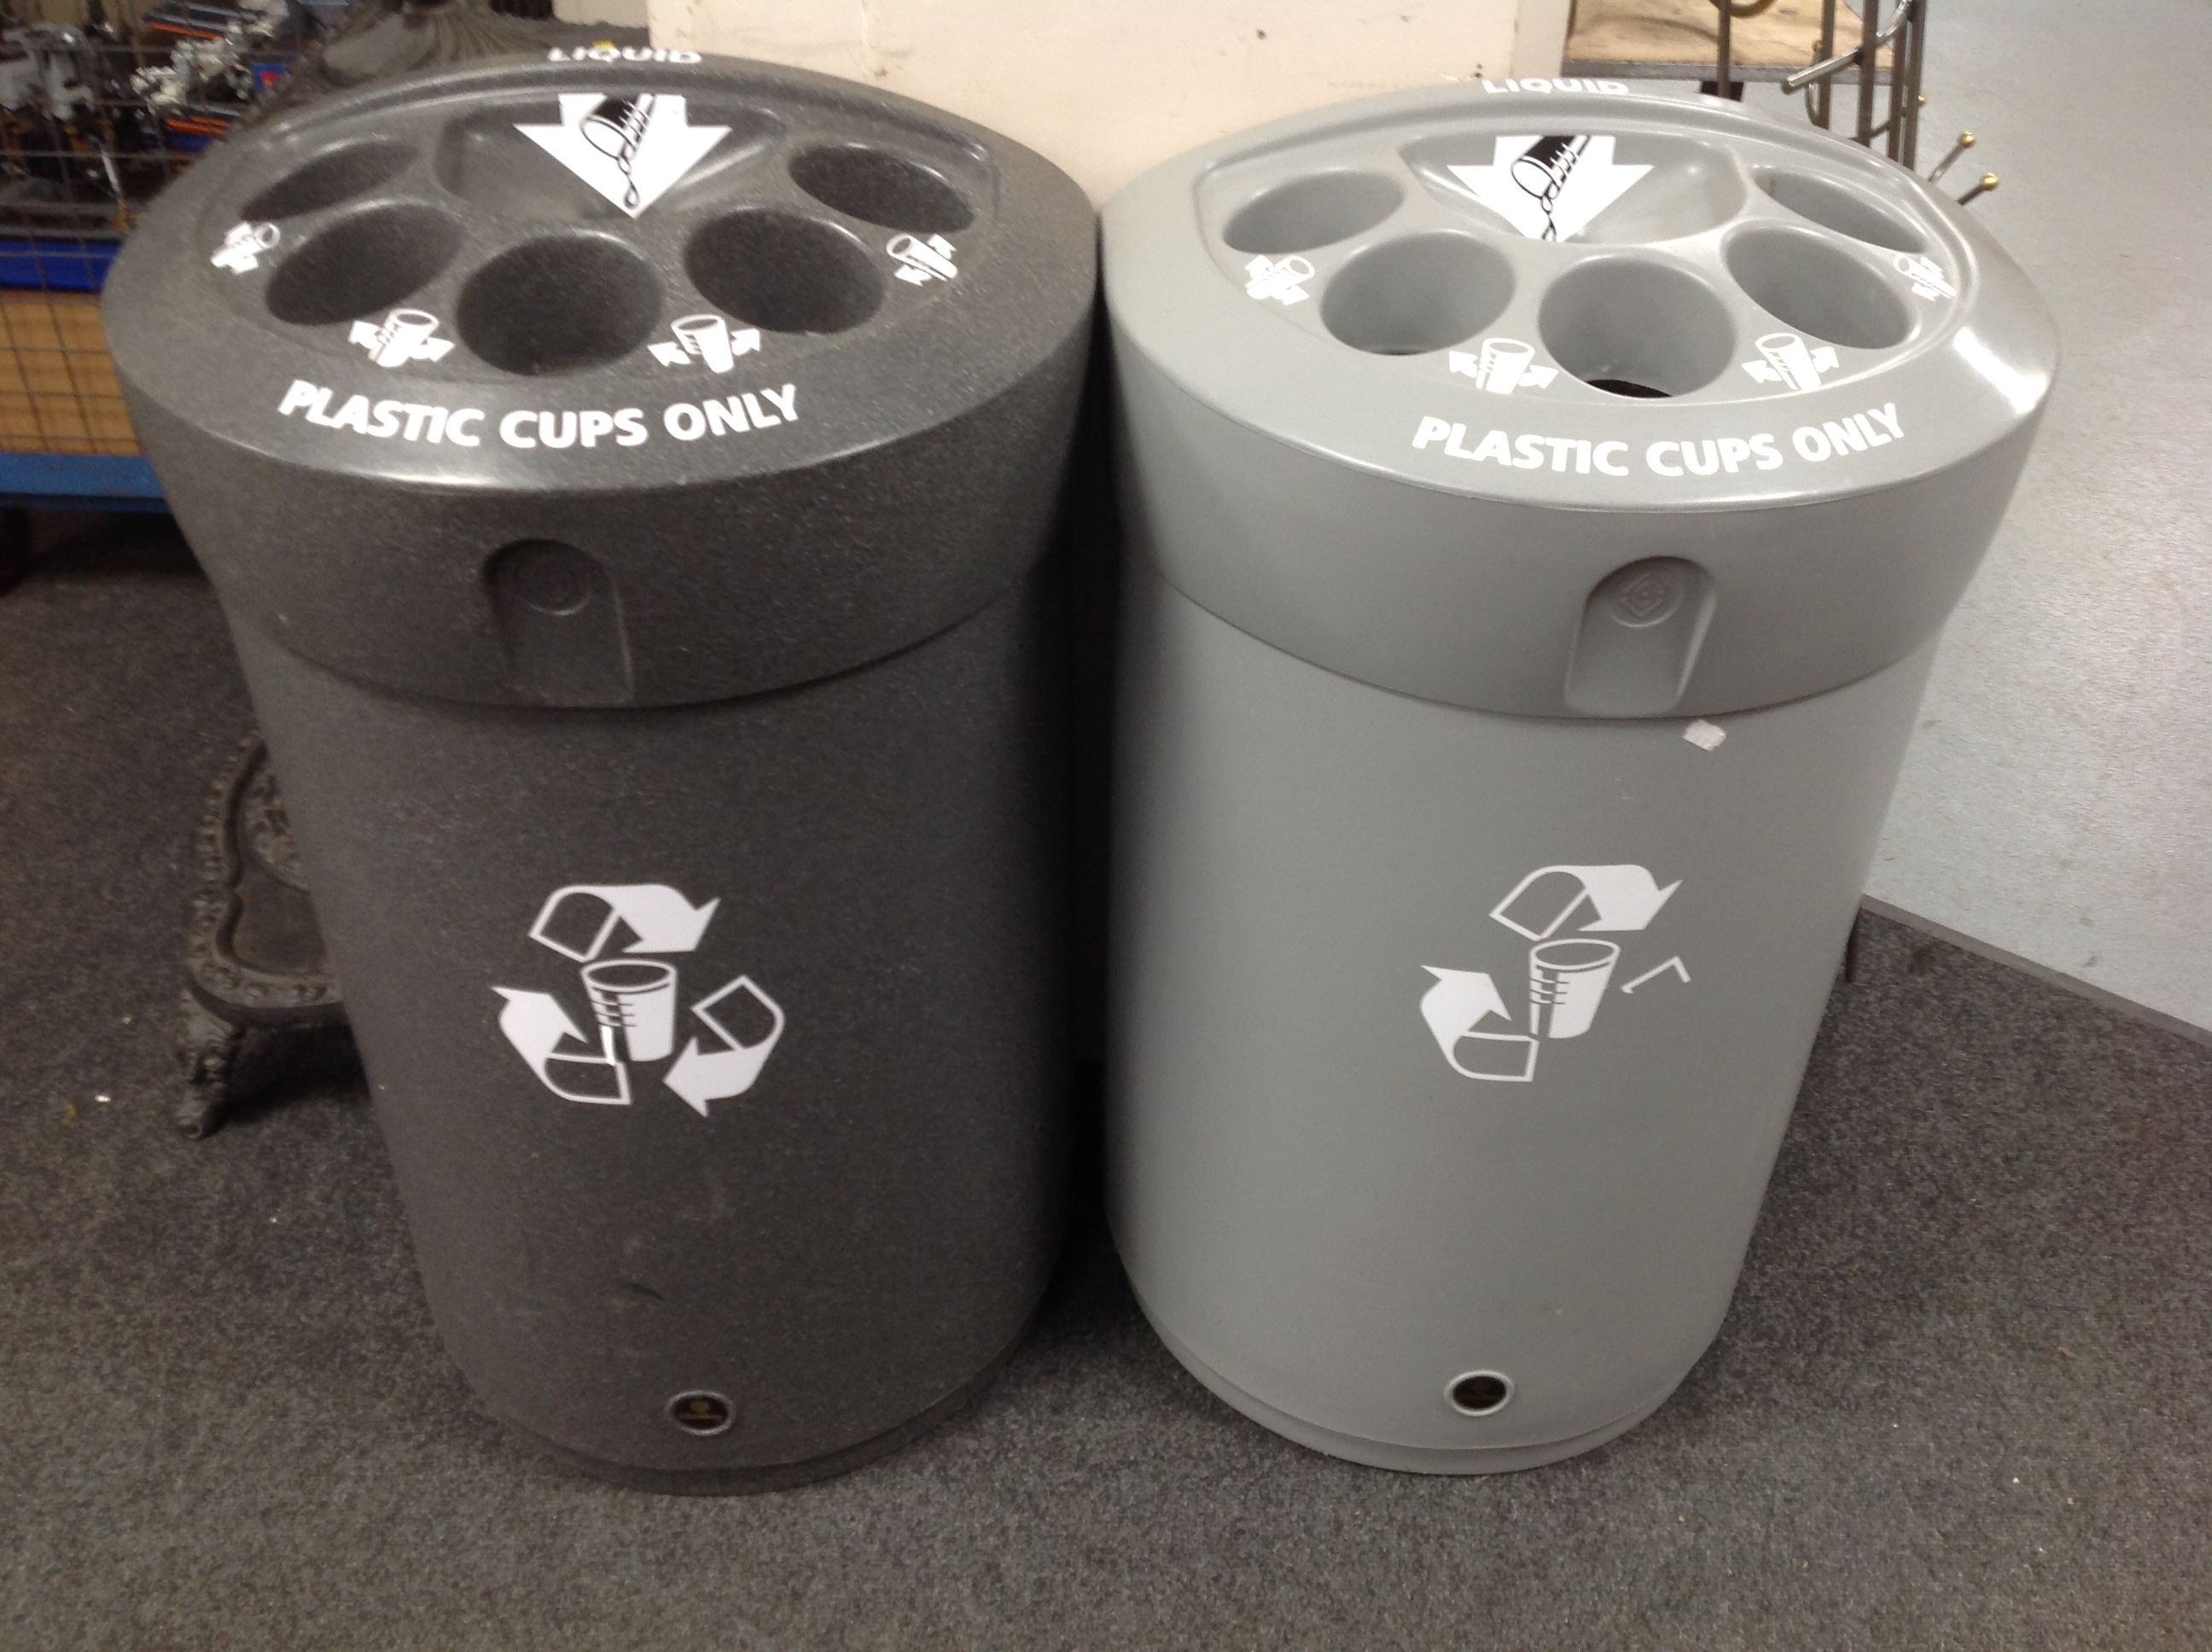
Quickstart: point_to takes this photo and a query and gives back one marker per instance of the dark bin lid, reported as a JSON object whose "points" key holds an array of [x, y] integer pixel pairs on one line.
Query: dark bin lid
{"points": [[790, 361]]}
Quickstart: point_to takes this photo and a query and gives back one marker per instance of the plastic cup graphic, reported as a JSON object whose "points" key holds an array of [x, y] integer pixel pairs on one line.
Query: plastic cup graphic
{"points": [[1785, 352], [1566, 983], [1504, 361], [1281, 278], [707, 337], [402, 331], [913, 250], [636, 998]]}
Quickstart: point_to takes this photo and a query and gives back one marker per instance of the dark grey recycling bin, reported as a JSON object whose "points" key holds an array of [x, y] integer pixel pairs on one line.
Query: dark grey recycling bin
{"points": [[626, 478], [1545, 506]]}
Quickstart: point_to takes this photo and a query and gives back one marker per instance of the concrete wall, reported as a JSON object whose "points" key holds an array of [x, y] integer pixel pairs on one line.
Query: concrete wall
{"points": [[1107, 87]]}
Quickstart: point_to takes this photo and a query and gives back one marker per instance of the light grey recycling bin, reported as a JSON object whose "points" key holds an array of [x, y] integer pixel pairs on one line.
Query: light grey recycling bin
{"points": [[1543, 509]]}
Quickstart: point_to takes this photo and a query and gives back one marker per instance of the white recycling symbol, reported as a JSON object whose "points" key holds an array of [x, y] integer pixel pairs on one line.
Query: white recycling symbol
{"points": [[1568, 974], [634, 997]]}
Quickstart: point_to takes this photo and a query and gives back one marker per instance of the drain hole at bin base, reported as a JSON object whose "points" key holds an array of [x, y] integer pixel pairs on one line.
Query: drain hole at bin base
{"points": [[557, 305], [1479, 1394], [330, 179], [784, 272], [702, 1412], [364, 264], [883, 189]]}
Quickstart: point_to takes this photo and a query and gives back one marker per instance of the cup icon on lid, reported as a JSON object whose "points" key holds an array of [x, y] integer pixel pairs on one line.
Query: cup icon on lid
{"points": [[1505, 360], [403, 336], [706, 338], [1791, 358]]}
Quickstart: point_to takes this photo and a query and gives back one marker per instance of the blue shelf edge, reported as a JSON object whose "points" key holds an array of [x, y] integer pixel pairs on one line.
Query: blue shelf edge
{"points": [[109, 482]]}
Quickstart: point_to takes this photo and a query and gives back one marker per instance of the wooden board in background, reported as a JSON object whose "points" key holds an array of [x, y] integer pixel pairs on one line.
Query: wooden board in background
{"points": [[1678, 38], [58, 393]]}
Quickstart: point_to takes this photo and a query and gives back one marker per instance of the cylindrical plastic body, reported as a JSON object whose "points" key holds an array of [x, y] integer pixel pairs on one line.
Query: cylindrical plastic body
{"points": [[628, 481], [1517, 662]]}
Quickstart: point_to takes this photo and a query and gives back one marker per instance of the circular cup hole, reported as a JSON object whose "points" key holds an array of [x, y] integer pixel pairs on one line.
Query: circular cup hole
{"points": [[784, 272], [1635, 328], [1844, 210], [363, 264], [557, 305], [1818, 288], [1419, 294], [1306, 212], [329, 179], [882, 188], [484, 158], [1478, 1394]]}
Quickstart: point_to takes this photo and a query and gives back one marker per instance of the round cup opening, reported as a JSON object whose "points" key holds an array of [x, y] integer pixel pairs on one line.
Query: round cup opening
{"points": [[882, 188], [1478, 1394], [1419, 294], [1818, 288], [557, 305], [1309, 212], [485, 158], [363, 264], [1635, 328], [784, 272], [1845, 210], [338, 175]]}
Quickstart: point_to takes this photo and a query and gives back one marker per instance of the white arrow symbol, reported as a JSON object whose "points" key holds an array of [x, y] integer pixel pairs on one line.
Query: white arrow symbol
{"points": [[1461, 1001], [633, 147], [1550, 187], [663, 920], [1622, 897], [1675, 964], [1504, 365], [536, 1025], [703, 1075]]}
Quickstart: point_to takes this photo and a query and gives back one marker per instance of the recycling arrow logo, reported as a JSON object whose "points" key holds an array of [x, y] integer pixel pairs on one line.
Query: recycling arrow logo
{"points": [[1549, 188], [634, 994], [1568, 973]]}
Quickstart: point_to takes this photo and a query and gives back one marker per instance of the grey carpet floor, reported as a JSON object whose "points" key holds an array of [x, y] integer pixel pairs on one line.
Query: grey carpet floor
{"points": [[1960, 1401]]}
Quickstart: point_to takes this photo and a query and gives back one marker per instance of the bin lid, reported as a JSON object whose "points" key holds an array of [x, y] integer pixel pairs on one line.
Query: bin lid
{"points": [[1614, 309], [1624, 275], [614, 296]]}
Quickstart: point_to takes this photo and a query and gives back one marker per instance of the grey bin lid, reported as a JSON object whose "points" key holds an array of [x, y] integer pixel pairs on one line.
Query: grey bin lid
{"points": [[1407, 380], [793, 362]]}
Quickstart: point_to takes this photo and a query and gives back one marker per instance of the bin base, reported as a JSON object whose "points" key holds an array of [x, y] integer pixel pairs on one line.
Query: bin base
{"points": [[772, 1477], [1382, 1453]]}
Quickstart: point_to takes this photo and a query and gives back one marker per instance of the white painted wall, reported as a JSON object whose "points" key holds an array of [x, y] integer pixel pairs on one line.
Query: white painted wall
{"points": [[623, 13], [1109, 88]]}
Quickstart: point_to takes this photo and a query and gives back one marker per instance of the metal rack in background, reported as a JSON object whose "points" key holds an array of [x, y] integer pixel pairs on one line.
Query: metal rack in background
{"points": [[96, 116], [1684, 40]]}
